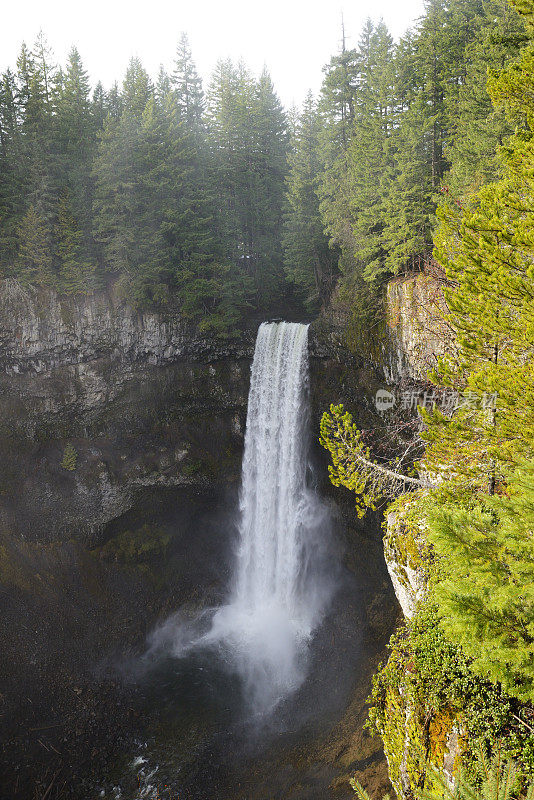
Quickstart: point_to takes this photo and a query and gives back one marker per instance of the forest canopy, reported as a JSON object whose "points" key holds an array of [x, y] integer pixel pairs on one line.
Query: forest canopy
{"points": [[218, 199]]}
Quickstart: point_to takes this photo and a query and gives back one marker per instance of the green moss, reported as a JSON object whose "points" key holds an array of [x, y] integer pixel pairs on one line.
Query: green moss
{"points": [[405, 535], [138, 546], [425, 689], [193, 468], [70, 457]]}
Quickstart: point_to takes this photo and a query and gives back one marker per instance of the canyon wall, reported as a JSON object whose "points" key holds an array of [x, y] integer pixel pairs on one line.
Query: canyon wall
{"points": [[121, 436], [417, 331]]}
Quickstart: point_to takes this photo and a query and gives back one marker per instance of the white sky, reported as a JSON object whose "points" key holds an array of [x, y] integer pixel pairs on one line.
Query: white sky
{"points": [[294, 38]]}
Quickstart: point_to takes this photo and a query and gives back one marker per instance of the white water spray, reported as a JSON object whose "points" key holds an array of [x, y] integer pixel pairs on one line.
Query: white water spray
{"points": [[279, 590]]}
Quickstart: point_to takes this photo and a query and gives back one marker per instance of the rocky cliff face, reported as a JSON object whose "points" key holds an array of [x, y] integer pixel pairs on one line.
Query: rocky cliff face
{"points": [[417, 331], [98, 400], [418, 336], [40, 330], [121, 436], [134, 398], [405, 551]]}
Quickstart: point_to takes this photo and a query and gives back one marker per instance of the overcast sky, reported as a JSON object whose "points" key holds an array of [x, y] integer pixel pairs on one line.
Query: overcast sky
{"points": [[294, 38]]}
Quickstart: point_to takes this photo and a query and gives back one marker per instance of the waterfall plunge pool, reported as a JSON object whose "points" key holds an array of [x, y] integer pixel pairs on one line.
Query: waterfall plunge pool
{"points": [[235, 698]]}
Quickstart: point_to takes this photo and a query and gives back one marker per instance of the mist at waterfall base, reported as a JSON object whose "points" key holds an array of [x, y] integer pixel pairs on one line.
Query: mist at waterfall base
{"points": [[283, 576]]}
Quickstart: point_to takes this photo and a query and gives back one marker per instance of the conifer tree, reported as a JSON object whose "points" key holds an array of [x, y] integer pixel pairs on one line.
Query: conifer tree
{"points": [[478, 126], [163, 87], [247, 136], [188, 86], [487, 596], [12, 174], [483, 519], [354, 210], [76, 273], [137, 88], [75, 139], [309, 260], [98, 106], [34, 261]]}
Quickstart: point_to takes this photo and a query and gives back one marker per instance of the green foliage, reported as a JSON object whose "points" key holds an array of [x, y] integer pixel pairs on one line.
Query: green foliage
{"points": [[466, 660], [187, 86], [352, 465], [70, 458], [499, 780], [138, 546], [479, 126], [486, 595], [144, 186], [483, 517], [248, 139], [34, 263], [396, 118], [361, 792], [428, 687], [76, 274], [308, 259], [214, 297], [165, 185]]}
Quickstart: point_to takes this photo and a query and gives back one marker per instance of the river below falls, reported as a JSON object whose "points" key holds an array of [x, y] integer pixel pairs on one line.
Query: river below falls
{"points": [[200, 741]]}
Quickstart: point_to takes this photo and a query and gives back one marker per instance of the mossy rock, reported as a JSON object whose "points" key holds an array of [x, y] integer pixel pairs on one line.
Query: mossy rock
{"points": [[405, 542], [135, 547]]}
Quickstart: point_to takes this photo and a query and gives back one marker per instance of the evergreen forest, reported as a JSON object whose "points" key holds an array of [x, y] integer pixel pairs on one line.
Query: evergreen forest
{"points": [[218, 199], [212, 199]]}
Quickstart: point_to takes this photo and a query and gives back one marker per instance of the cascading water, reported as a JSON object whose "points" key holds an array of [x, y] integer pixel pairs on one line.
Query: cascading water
{"points": [[279, 589], [273, 474], [278, 594]]}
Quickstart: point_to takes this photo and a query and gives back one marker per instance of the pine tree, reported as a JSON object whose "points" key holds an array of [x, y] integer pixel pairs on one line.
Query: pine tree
{"points": [[12, 174], [483, 516], [487, 252], [227, 167], [114, 209], [98, 107], [163, 87], [188, 86], [268, 173], [309, 260], [76, 273], [247, 137], [70, 458], [337, 106], [137, 88], [478, 126], [34, 261], [487, 596], [356, 212], [36, 79], [75, 140]]}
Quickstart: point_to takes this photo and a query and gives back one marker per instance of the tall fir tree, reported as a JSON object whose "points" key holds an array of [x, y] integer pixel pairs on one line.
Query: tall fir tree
{"points": [[482, 518], [309, 260], [34, 260], [13, 176], [76, 272], [188, 86]]}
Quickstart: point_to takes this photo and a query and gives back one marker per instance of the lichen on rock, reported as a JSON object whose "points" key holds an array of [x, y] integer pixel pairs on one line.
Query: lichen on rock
{"points": [[406, 551]]}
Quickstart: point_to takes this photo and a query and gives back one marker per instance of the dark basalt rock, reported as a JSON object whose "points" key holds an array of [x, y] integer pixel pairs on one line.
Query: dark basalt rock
{"points": [[111, 420]]}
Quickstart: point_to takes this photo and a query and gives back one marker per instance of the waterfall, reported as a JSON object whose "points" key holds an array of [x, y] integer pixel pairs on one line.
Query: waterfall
{"points": [[274, 472], [278, 593], [280, 587]]}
